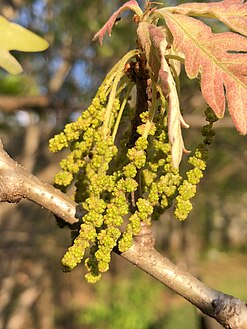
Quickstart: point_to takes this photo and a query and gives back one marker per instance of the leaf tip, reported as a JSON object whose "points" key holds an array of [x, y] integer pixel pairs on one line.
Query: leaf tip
{"points": [[242, 129], [45, 44]]}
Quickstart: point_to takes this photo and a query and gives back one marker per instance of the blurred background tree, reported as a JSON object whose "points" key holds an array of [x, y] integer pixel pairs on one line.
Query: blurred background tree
{"points": [[55, 87]]}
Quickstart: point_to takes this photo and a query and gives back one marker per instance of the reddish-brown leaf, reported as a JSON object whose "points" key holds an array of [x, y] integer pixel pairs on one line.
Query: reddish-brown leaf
{"points": [[130, 5], [232, 13], [221, 62]]}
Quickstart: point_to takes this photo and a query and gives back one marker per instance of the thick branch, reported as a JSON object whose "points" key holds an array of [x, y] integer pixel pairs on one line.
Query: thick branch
{"points": [[16, 183], [229, 311]]}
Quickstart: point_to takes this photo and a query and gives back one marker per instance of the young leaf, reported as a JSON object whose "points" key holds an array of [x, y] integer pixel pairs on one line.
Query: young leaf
{"points": [[153, 41], [16, 37], [131, 5], [220, 60], [232, 13]]}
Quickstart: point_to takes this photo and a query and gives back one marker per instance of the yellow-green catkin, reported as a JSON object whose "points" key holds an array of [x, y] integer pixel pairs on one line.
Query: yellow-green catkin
{"points": [[79, 136], [160, 178], [93, 274], [120, 186], [187, 189], [101, 191], [75, 253]]}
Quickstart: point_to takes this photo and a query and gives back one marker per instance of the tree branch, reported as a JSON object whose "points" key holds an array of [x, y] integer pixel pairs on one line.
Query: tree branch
{"points": [[16, 183], [229, 311]]}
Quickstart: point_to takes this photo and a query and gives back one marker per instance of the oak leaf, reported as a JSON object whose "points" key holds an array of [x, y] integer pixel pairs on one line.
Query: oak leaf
{"points": [[233, 13], [129, 5], [16, 37], [220, 60]]}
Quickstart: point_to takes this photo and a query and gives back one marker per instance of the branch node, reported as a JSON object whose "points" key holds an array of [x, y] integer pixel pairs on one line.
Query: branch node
{"points": [[230, 311]]}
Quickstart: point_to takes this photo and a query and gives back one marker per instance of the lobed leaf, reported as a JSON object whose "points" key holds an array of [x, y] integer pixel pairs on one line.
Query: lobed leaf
{"points": [[232, 13], [130, 5], [16, 37], [219, 59]]}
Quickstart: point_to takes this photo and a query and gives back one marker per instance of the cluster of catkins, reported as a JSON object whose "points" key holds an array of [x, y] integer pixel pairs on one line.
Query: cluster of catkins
{"points": [[121, 187]]}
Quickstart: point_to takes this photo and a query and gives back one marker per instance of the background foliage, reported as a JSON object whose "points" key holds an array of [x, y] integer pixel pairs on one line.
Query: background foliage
{"points": [[35, 293]]}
